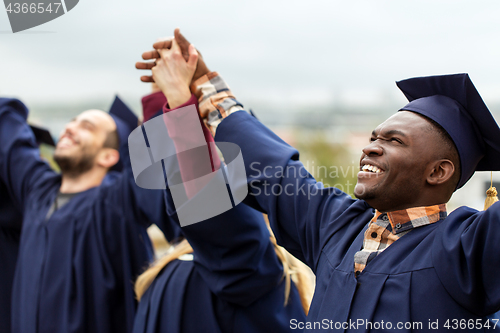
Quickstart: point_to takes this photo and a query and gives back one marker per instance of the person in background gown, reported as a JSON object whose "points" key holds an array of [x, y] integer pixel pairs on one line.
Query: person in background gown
{"points": [[83, 232]]}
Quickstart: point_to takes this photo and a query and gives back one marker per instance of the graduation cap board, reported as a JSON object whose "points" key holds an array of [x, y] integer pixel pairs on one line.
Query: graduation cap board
{"points": [[126, 121], [453, 102], [42, 135]]}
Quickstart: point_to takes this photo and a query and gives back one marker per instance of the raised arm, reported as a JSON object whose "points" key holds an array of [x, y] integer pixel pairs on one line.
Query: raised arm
{"points": [[233, 252], [21, 168], [142, 205], [303, 214]]}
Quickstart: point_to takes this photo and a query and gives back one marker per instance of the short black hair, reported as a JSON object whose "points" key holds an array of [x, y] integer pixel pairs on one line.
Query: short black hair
{"points": [[450, 146], [112, 140]]}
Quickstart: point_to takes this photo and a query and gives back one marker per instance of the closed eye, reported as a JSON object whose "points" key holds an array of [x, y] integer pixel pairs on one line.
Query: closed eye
{"points": [[391, 139], [88, 125]]}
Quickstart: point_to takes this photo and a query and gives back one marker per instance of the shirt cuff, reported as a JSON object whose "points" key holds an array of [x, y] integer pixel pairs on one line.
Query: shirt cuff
{"points": [[152, 104], [192, 100], [190, 162], [216, 101]]}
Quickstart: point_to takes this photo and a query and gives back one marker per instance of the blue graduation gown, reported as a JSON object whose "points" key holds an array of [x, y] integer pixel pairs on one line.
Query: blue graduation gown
{"points": [[446, 270], [171, 230], [75, 271], [234, 283], [10, 232]]}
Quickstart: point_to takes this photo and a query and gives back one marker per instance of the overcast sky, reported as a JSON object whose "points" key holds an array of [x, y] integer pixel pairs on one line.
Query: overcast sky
{"points": [[276, 51]]}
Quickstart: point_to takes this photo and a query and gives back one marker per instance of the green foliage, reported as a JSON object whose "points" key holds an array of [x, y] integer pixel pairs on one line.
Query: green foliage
{"points": [[47, 154], [329, 162]]}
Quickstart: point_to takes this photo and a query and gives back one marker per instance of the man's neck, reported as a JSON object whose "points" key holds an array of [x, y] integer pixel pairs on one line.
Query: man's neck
{"points": [[81, 182]]}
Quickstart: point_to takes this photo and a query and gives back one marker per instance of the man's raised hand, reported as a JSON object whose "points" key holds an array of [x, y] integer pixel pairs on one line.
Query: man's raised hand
{"points": [[201, 68], [173, 74]]}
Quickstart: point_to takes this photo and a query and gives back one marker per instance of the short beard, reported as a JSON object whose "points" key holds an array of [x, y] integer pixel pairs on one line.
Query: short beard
{"points": [[72, 166]]}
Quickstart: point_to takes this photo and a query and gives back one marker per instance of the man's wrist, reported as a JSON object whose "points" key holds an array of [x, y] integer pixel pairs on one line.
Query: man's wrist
{"points": [[214, 95], [197, 85], [216, 101], [177, 97], [191, 101]]}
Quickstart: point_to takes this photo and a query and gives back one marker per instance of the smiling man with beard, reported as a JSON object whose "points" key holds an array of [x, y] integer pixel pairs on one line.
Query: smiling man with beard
{"points": [[83, 237], [393, 259]]}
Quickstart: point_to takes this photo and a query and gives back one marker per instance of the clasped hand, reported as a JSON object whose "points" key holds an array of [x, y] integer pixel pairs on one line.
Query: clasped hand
{"points": [[177, 64]]}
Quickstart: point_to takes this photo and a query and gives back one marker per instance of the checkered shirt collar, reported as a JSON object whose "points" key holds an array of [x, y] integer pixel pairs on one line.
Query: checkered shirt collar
{"points": [[407, 219]]}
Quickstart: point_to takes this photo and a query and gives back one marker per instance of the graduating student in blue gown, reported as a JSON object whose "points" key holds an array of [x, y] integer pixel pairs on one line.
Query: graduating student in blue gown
{"points": [[83, 240], [226, 276], [443, 272], [439, 272], [233, 281]]}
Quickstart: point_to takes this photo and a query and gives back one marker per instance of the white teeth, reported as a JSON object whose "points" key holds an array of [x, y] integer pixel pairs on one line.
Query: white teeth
{"points": [[371, 168], [66, 141]]}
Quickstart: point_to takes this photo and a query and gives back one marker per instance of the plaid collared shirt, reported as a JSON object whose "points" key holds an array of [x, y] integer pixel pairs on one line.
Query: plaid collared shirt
{"points": [[386, 228]]}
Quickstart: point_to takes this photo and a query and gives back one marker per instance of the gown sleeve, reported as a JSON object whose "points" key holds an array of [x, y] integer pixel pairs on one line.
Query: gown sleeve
{"points": [[465, 256], [300, 209], [233, 251], [21, 168], [234, 255], [193, 163], [145, 206], [152, 106]]}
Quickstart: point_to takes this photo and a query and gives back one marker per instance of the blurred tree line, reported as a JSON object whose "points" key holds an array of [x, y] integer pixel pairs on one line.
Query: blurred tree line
{"points": [[329, 162]]}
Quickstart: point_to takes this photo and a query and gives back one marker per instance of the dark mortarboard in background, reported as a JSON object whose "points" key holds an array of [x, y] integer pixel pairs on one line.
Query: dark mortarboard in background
{"points": [[126, 121], [453, 102], [42, 135]]}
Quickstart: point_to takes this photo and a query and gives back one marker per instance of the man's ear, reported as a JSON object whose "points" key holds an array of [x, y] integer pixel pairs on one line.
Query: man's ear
{"points": [[107, 157], [440, 172]]}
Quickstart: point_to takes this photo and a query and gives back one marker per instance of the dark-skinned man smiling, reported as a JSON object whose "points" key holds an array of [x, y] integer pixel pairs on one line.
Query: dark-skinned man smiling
{"points": [[393, 259]]}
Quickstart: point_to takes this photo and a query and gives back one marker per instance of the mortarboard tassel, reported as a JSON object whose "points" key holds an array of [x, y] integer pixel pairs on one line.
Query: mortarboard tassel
{"points": [[491, 195]]}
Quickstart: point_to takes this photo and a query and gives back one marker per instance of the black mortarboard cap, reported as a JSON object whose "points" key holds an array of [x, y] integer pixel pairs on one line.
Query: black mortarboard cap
{"points": [[453, 102], [42, 135], [126, 121]]}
